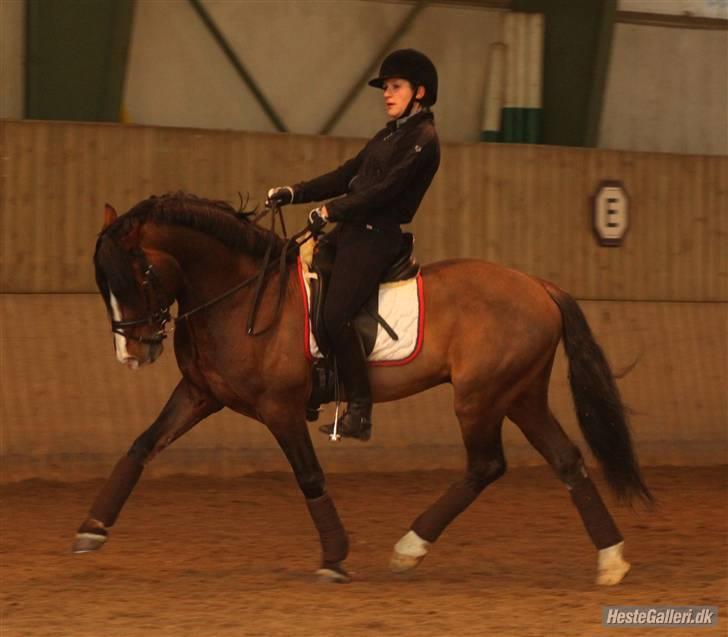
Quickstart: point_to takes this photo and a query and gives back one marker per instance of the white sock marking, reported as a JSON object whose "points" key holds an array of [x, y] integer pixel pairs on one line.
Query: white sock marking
{"points": [[412, 545], [611, 556]]}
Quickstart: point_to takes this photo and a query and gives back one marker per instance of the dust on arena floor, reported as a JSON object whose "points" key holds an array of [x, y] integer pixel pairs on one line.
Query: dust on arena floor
{"points": [[235, 557]]}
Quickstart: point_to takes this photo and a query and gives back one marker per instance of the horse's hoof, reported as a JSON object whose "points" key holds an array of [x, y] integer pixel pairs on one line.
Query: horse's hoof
{"points": [[400, 563], [611, 567], [613, 575], [87, 542], [333, 575]]}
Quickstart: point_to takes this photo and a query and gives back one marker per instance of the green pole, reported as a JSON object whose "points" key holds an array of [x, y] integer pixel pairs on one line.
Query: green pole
{"points": [[76, 58]]}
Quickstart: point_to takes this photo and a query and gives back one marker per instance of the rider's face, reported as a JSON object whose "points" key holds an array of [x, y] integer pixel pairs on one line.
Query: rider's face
{"points": [[397, 94]]}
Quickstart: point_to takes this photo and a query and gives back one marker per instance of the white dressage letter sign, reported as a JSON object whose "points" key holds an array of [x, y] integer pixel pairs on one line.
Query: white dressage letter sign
{"points": [[611, 213]]}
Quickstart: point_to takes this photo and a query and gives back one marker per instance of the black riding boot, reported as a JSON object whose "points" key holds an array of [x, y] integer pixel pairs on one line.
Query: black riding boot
{"points": [[352, 367]]}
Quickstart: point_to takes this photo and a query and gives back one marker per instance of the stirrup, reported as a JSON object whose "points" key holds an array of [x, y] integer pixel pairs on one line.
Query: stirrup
{"points": [[362, 430]]}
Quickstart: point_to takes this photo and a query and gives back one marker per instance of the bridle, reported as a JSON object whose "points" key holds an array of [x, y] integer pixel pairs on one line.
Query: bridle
{"points": [[154, 291]]}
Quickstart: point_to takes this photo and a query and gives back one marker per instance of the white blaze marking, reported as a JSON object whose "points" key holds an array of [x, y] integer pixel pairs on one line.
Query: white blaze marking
{"points": [[119, 341]]}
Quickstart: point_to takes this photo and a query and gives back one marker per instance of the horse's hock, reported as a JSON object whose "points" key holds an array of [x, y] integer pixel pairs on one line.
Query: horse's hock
{"points": [[68, 409]]}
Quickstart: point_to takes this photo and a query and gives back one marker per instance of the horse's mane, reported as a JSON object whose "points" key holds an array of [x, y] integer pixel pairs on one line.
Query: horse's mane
{"points": [[217, 219]]}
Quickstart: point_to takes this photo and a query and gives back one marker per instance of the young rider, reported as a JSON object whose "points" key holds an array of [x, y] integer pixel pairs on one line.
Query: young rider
{"points": [[382, 188]]}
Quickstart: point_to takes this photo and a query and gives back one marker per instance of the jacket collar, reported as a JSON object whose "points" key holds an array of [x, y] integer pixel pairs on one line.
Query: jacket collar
{"points": [[396, 124]]}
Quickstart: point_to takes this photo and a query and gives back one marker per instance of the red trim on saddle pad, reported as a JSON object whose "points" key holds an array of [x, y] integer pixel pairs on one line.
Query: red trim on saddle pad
{"points": [[306, 323], [420, 330], [392, 363]]}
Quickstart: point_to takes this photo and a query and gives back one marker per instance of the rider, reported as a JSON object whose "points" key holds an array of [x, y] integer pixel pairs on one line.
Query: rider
{"points": [[382, 187]]}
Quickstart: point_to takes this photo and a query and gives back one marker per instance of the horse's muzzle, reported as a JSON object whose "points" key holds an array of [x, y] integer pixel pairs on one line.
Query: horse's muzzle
{"points": [[144, 355]]}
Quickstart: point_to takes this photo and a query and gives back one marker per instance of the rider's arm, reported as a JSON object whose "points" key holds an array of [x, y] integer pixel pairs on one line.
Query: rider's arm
{"points": [[417, 165], [331, 184]]}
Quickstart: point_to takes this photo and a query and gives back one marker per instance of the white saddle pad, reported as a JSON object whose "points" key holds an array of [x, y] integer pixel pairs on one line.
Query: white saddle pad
{"points": [[401, 304]]}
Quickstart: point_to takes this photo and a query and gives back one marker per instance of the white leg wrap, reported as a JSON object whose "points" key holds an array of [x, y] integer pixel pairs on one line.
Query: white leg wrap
{"points": [[611, 566], [408, 552]]}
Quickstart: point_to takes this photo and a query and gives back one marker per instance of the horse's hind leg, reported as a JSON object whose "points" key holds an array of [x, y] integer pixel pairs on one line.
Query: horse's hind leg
{"points": [[185, 408], [481, 431], [532, 415]]}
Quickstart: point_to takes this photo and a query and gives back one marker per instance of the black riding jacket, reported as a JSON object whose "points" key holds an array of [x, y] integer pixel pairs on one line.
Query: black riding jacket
{"points": [[385, 183]]}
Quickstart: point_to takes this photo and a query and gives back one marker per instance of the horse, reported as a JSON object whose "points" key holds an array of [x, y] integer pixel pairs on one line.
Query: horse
{"points": [[491, 332]]}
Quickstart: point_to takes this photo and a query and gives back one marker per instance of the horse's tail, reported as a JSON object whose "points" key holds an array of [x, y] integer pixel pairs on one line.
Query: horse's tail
{"points": [[599, 408]]}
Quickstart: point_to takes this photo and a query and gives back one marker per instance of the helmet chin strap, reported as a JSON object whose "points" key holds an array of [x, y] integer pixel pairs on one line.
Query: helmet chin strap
{"points": [[407, 111]]}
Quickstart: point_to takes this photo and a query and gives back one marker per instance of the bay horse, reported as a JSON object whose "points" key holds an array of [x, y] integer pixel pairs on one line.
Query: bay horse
{"points": [[490, 331]]}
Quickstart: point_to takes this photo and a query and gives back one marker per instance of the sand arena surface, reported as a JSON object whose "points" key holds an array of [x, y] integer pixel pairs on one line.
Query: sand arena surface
{"points": [[220, 558]]}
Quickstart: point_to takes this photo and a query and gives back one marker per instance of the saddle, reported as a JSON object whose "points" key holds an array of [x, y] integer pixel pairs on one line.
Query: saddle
{"points": [[366, 322], [405, 267]]}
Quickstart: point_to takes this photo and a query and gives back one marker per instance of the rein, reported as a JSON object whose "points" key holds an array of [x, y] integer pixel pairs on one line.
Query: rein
{"points": [[155, 291], [260, 277]]}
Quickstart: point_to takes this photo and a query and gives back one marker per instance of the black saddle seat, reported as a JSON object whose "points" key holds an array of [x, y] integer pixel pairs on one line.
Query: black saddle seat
{"points": [[405, 266]]}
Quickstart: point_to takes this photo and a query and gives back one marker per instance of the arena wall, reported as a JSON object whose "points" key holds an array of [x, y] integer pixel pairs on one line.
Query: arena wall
{"points": [[657, 304], [528, 207]]}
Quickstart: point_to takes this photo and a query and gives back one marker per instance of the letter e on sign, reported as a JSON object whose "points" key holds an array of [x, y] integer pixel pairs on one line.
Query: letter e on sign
{"points": [[611, 213]]}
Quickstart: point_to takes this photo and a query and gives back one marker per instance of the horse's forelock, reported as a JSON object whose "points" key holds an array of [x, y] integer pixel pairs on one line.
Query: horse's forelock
{"points": [[114, 271]]}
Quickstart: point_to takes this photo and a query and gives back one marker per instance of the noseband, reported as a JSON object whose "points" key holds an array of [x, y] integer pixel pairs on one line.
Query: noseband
{"points": [[154, 291]]}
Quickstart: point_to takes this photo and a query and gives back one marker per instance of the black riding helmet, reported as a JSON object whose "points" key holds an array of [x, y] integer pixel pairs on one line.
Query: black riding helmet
{"points": [[413, 66]]}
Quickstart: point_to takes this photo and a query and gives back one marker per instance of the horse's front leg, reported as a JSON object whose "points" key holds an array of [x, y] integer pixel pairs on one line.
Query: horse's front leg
{"points": [[187, 406], [291, 432]]}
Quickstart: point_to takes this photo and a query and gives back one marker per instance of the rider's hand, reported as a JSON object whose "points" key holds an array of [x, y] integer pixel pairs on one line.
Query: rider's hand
{"points": [[279, 196], [317, 219]]}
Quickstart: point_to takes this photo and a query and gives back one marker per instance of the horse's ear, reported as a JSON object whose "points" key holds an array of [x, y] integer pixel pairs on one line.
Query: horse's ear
{"points": [[109, 216]]}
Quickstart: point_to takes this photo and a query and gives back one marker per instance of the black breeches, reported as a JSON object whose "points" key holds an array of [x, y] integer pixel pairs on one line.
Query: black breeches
{"points": [[362, 257]]}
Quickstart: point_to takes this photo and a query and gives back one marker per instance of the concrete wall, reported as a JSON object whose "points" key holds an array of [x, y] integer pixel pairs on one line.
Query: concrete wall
{"points": [[667, 88], [696, 8], [68, 409], [305, 56], [667, 91], [12, 58]]}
